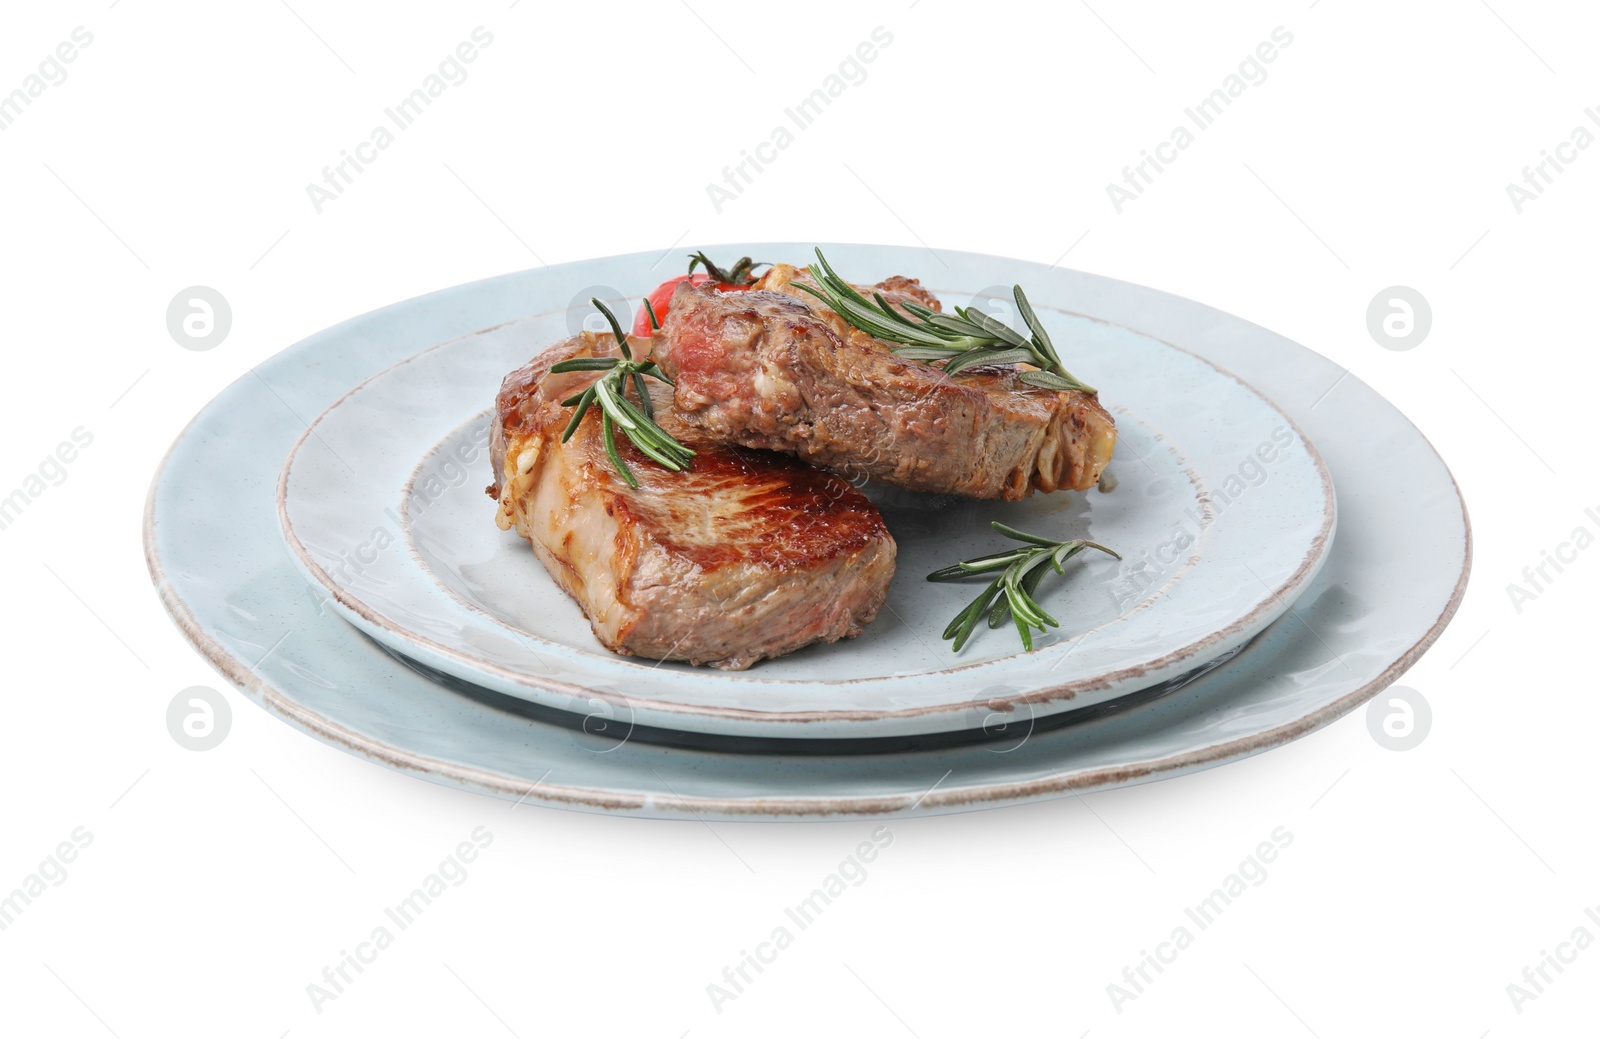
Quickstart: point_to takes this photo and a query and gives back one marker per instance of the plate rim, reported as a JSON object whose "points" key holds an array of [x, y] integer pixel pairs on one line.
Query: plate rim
{"points": [[1062, 694], [424, 766], [273, 699]]}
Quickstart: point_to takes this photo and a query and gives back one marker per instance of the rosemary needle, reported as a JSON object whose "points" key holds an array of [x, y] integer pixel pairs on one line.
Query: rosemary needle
{"points": [[963, 340], [1010, 595], [610, 391]]}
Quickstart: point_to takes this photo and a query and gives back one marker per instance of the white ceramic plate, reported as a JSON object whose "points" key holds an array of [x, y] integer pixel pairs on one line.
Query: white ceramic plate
{"points": [[1389, 587], [1223, 513]]}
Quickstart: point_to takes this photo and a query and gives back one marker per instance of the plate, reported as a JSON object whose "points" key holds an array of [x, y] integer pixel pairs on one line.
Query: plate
{"points": [[1391, 583], [1223, 513]]}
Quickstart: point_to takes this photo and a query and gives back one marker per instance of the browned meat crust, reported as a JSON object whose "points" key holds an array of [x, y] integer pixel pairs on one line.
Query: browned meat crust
{"points": [[747, 556], [775, 368]]}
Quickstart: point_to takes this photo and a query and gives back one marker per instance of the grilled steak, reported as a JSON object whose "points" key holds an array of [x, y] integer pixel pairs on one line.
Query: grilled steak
{"points": [[775, 368], [749, 555]]}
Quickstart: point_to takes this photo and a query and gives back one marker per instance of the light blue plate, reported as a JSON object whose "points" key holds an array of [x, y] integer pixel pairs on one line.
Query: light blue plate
{"points": [[1388, 587], [1223, 514]]}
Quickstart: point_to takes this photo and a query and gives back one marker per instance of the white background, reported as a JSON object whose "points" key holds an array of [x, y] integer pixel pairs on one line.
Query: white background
{"points": [[1376, 152]]}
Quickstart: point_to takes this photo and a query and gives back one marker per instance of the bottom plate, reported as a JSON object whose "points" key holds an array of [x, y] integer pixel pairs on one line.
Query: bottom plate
{"points": [[1386, 592]]}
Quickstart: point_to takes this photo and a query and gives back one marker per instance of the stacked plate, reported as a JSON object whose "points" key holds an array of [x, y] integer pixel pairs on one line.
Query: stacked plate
{"points": [[1290, 544]]}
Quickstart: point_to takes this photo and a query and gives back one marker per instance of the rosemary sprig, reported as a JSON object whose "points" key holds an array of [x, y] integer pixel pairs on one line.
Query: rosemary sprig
{"points": [[610, 391], [965, 339], [1011, 594], [741, 273]]}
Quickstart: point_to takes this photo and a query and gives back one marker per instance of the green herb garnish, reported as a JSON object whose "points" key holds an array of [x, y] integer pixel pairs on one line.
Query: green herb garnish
{"points": [[1011, 593], [964, 340], [741, 273], [610, 391]]}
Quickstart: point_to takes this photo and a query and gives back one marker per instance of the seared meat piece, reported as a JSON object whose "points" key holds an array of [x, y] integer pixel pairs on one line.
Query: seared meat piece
{"points": [[746, 556], [774, 367]]}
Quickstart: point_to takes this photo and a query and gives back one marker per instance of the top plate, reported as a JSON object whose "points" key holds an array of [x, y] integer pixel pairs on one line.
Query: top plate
{"points": [[1223, 513]]}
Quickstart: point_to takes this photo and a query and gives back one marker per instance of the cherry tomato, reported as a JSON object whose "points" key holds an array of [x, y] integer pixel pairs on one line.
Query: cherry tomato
{"points": [[662, 296], [659, 300]]}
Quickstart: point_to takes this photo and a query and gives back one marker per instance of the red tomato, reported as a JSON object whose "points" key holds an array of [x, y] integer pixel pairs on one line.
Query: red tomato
{"points": [[663, 296], [659, 300]]}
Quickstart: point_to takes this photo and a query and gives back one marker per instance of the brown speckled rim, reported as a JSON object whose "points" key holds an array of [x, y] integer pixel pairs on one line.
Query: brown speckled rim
{"points": [[1058, 697]]}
